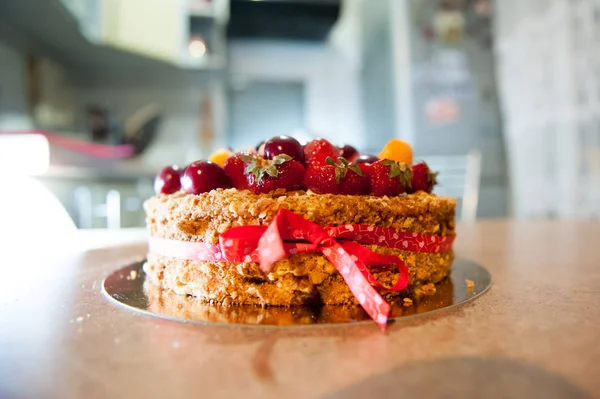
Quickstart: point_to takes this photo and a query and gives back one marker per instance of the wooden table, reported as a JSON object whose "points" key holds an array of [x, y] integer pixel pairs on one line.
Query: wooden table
{"points": [[536, 333]]}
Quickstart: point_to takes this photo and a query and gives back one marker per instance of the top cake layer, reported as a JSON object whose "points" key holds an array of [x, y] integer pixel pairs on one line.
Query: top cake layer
{"points": [[205, 216]]}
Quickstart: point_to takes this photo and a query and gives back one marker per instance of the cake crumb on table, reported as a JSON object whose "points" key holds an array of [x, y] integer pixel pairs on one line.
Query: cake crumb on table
{"points": [[428, 289], [470, 284]]}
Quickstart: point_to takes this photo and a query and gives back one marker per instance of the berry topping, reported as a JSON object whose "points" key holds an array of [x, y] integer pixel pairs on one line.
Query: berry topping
{"points": [[397, 150], [349, 152], [337, 178], [284, 145], [317, 151], [220, 156], [423, 178], [264, 176], [167, 180], [366, 158], [234, 169], [389, 178], [366, 168], [203, 176]]}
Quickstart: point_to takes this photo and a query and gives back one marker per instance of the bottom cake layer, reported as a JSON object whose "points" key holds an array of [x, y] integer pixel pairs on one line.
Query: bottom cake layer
{"points": [[167, 303], [302, 279]]}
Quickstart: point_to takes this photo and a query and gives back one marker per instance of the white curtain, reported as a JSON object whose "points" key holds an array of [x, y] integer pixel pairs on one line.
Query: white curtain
{"points": [[548, 57]]}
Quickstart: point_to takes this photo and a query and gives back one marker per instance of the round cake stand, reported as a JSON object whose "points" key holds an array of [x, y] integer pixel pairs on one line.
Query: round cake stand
{"points": [[127, 287]]}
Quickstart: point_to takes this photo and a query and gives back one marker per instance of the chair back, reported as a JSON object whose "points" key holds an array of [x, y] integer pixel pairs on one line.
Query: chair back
{"points": [[459, 177]]}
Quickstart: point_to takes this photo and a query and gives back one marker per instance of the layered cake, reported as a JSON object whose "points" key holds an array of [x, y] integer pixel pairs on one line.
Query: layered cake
{"points": [[290, 225]]}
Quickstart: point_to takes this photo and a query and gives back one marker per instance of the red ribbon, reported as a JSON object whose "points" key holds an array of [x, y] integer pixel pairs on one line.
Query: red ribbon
{"points": [[268, 244]]}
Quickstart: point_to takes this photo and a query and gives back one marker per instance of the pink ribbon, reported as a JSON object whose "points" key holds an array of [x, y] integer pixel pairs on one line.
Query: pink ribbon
{"points": [[290, 234]]}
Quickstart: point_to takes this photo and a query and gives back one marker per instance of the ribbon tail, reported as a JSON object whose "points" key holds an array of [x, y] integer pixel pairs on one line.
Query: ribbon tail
{"points": [[270, 247], [362, 289]]}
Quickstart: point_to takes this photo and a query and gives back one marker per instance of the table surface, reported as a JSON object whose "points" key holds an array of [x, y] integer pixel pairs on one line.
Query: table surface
{"points": [[536, 333]]}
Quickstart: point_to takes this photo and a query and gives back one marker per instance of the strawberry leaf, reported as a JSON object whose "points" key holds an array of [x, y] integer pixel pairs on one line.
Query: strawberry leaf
{"points": [[432, 177], [341, 170], [281, 158], [272, 170], [399, 170], [354, 167], [253, 165], [261, 167], [247, 158], [340, 173], [252, 168], [395, 171]]}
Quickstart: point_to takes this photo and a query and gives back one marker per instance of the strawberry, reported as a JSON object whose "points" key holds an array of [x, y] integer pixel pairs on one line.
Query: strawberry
{"points": [[389, 178], [264, 176], [337, 178], [234, 169], [423, 178], [317, 151], [366, 168]]}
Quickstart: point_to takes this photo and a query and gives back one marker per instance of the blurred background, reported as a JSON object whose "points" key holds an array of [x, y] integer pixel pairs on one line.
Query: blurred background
{"points": [[97, 95]]}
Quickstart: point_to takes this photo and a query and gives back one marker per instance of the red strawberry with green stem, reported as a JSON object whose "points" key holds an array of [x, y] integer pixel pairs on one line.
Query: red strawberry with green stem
{"points": [[389, 178], [234, 169], [423, 178], [337, 178], [317, 151], [281, 172]]}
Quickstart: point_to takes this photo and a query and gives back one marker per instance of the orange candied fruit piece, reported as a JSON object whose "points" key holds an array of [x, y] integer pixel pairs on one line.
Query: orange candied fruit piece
{"points": [[397, 150], [220, 156]]}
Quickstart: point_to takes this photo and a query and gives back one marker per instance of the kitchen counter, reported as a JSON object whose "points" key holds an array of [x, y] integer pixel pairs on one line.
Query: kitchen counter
{"points": [[536, 333]]}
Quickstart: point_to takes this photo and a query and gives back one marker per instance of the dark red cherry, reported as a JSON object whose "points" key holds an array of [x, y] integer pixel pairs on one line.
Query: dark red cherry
{"points": [[349, 152], [167, 181], [284, 145], [203, 176], [366, 158]]}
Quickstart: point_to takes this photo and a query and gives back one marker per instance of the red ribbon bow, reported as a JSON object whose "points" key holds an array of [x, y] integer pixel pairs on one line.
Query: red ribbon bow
{"points": [[268, 244], [350, 258]]}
